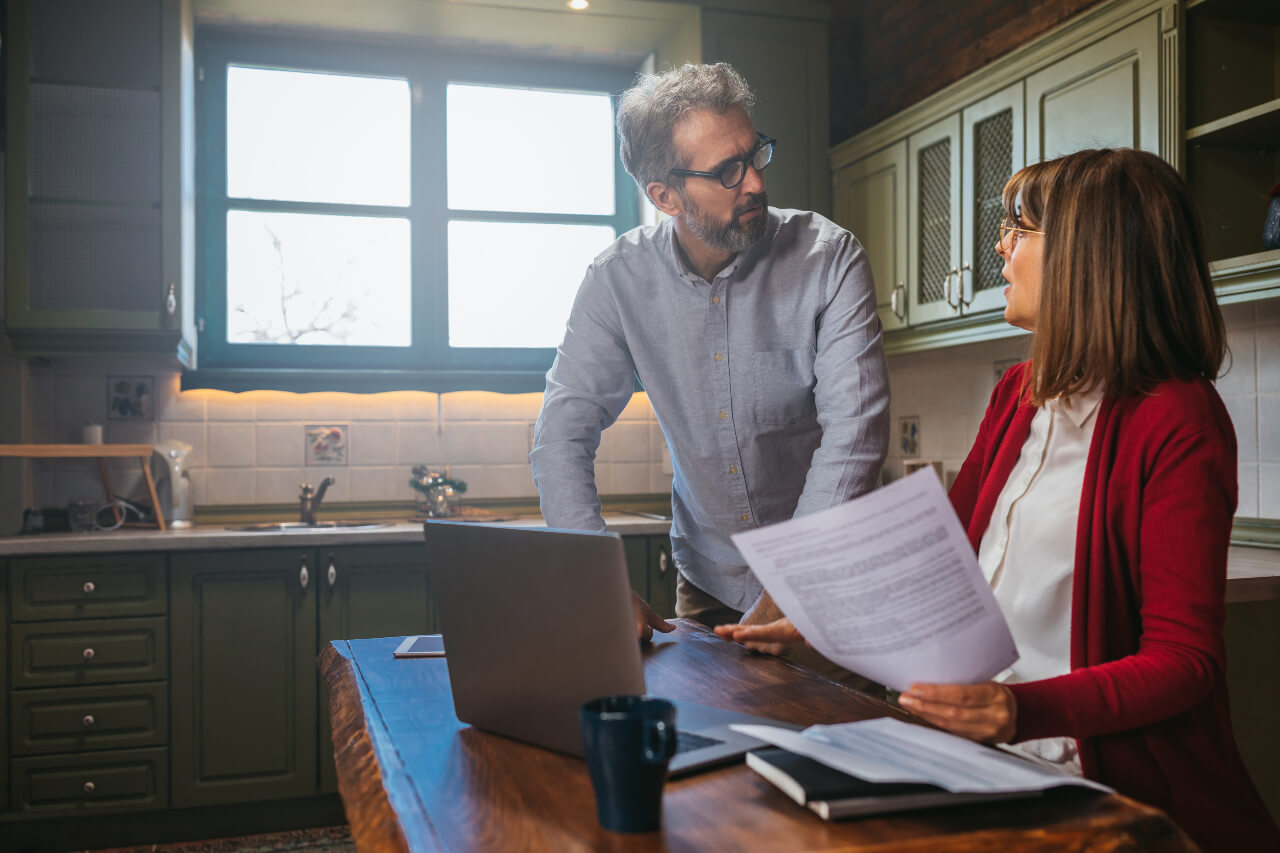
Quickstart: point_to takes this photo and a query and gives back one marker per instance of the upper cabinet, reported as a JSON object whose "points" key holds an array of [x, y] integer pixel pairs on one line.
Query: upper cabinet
{"points": [[99, 177], [1233, 136], [1108, 78]]}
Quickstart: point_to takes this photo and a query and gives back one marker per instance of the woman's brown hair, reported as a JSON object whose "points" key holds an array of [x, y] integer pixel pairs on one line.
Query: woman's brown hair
{"points": [[1126, 300]]}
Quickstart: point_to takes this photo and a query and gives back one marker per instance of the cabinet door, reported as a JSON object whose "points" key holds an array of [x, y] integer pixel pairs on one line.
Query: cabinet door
{"points": [[95, 176], [1105, 95], [785, 61], [871, 201], [378, 591], [244, 676], [993, 151], [4, 686], [933, 232]]}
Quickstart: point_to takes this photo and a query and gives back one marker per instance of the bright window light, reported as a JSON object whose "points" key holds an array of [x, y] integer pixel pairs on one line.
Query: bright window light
{"points": [[308, 279], [494, 304], [304, 136], [527, 150]]}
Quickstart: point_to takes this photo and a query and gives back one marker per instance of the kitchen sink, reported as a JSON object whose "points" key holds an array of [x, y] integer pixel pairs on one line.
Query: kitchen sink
{"points": [[299, 526]]}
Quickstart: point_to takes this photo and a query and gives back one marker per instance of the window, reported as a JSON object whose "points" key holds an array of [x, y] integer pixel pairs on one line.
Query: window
{"points": [[375, 218]]}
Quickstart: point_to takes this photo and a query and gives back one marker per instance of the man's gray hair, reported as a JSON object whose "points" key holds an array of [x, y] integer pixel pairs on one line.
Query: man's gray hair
{"points": [[649, 111]]}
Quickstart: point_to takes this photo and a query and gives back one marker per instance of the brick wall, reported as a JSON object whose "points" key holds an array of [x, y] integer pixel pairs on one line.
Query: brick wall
{"points": [[888, 54]]}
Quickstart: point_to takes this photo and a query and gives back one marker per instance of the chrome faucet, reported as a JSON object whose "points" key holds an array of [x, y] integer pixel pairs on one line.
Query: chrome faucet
{"points": [[310, 499]]}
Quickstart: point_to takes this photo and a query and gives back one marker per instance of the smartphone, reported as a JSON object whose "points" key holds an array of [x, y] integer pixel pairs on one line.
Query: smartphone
{"points": [[422, 646]]}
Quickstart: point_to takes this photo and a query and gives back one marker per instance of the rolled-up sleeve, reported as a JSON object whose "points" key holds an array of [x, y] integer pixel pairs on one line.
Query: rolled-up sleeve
{"points": [[852, 385], [588, 385]]}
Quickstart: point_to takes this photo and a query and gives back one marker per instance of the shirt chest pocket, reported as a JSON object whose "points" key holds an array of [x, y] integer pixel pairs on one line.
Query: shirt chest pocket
{"points": [[783, 385]]}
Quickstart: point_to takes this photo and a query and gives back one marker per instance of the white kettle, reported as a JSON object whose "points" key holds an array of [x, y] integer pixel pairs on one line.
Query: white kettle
{"points": [[175, 489]]}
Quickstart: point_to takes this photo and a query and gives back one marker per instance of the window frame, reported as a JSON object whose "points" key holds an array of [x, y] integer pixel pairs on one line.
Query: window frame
{"points": [[429, 363]]}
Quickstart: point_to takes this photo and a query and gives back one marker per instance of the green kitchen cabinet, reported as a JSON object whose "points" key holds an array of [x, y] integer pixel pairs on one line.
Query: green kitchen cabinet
{"points": [[368, 592], [652, 572], [871, 201], [99, 177], [244, 679]]}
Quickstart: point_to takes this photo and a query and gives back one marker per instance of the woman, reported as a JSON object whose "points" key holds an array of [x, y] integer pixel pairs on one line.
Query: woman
{"points": [[1099, 496]]}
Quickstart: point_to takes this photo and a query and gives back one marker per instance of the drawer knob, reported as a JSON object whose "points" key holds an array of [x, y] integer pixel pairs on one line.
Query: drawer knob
{"points": [[89, 587], [87, 721], [88, 787], [87, 654]]}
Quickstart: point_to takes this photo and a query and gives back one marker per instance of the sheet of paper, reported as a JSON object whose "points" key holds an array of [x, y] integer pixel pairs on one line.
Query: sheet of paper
{"points": [[886, 585], [889, 750]]}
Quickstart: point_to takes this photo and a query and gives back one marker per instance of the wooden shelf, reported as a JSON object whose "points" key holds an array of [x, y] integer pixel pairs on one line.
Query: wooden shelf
{"points": [[1256, 127], [1251, 11], [100, 452]]}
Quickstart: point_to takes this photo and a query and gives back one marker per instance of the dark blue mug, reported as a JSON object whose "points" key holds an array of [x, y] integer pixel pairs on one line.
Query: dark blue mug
{"points": [[628, 741]]}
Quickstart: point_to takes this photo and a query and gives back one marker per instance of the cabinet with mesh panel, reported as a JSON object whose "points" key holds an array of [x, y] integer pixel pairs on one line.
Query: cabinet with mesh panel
{"points": [[97, 177], [957, 169]]}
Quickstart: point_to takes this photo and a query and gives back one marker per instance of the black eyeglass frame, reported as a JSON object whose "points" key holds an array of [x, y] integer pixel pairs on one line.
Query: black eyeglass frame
{"points": [[746, 161]]}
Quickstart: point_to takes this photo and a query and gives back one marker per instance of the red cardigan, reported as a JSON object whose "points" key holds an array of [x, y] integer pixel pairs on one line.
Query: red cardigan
{"points": [[1146, 696]]}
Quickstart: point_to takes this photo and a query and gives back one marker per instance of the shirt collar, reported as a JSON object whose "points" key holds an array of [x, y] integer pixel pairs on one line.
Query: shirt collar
{"points": [[1081, 406]]}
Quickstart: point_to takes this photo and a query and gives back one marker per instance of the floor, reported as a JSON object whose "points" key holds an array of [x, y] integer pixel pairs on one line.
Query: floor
{"points": [[331, 839]]}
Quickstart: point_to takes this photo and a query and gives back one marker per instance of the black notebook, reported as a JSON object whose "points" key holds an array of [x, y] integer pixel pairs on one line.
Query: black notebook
{"points": [[832, 794]]}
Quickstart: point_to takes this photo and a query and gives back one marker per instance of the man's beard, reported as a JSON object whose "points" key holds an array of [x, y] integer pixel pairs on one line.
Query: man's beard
{"points": [[732, 236]]}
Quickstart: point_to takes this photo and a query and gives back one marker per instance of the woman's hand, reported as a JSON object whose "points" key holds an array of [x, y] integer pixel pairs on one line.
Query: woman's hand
{"points": [[771, 638], [987, 712]]}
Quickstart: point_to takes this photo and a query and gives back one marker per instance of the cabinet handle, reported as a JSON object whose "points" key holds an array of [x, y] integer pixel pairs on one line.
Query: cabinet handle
{"points": [[171, 300], [87, 654], [304, 577], [947, 288], [88, 787], [963, 290], [89, 587], [87, 721], [895, 303], [332, 573], [663, 561]]}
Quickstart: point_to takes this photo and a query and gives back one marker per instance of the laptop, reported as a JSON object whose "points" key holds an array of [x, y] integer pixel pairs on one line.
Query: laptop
{"points": [[538, 621]]}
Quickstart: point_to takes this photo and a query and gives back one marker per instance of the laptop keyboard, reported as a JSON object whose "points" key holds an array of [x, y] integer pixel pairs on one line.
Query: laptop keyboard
{"points": [[686, 741]]}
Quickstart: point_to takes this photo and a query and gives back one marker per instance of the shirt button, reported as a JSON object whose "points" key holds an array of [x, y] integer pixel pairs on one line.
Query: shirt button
{"points": [[715, 300], [733, 469], [723, 414], [745, 516], [719, 356]]}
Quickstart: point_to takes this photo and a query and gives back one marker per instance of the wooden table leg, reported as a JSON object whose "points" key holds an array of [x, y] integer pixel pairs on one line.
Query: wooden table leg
{"points": [[111, 496], [151, 490]]}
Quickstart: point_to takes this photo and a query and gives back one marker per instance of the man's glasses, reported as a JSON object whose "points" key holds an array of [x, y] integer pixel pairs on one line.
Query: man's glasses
{"points": [[731, 174], [1010, 228]]}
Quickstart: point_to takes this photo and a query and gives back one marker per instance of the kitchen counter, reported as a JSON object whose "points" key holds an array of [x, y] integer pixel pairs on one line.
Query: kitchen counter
{"points": [[218, 537]]}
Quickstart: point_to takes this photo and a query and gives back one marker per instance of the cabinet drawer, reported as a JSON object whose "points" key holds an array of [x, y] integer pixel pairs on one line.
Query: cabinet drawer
{"points": [[85, 587], [75, 719], [49, 654], [85, 784]]}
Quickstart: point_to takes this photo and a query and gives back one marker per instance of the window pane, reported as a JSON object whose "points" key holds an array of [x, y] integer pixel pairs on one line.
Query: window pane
{"points": [[304, 136], [521, 304], [530, 151], [296, 278]]}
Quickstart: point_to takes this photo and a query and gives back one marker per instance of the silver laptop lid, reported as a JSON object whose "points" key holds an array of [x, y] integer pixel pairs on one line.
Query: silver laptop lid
{"points": [[535, 623]]}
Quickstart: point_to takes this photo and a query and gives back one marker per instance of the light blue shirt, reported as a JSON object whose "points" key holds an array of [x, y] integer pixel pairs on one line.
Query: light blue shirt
{"points": [[769, 384]]}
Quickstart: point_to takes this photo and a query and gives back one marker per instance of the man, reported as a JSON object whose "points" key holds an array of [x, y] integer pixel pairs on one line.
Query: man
{"points": [[752, 329]]}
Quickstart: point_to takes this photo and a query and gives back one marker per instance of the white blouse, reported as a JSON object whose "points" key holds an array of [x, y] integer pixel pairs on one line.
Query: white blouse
{"points": [[1028, 550]]}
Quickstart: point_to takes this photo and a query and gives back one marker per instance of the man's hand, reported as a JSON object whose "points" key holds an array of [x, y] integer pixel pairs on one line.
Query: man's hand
{"points": [[647, 620], [772, 638], [986, 712], [765, 612]]}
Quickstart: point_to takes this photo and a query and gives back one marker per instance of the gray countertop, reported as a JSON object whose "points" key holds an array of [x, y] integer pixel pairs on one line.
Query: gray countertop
{"points": [[214, 538]]}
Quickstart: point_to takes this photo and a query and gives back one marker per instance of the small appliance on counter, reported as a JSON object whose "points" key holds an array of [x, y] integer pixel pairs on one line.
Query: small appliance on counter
{"points": [[175, 487]]}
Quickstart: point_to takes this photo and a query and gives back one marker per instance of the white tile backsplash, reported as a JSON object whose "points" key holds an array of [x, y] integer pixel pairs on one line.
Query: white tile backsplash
{"points": [[278, 485], [229, 485], [279, 445], [371, 444], [1244, 417], [231, 445]]}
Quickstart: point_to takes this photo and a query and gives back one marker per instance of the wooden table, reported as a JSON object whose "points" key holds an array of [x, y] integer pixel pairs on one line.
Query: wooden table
{"points": [[413, 778]]}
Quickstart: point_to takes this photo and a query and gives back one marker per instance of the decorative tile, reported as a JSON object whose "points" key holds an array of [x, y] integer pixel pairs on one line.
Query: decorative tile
{"points": [[131, 397], [326, 444], [909, 435]]}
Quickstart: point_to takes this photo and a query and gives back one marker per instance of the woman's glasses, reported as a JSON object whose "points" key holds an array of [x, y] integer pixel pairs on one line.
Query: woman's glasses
{"points": [[1010, 228]]}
